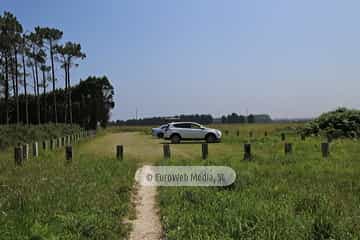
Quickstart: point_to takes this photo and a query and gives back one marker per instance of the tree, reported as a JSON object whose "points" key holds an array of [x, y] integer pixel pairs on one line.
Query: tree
{"points": [[39, 57], [70, 52], [45, 70], [51, 35]]}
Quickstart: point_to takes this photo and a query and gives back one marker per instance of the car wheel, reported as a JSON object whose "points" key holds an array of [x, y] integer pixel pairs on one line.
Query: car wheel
{"points": [[175, 138], [210, 138]]}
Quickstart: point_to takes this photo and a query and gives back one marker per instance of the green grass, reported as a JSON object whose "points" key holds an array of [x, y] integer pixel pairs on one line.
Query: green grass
{"points": [[301, 196], [47, 198]]}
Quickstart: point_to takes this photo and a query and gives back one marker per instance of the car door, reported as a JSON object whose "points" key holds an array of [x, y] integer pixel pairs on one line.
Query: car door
{"points": [[196, 131], [184, 129]]}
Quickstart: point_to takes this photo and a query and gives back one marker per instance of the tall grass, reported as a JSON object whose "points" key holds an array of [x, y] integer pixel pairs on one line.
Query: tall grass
{"points": [[275, 196], [47, 198]]}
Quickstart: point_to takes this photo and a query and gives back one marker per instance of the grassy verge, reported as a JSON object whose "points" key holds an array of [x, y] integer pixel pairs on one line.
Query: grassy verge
{"points": [[300, 196], [49, 199]]}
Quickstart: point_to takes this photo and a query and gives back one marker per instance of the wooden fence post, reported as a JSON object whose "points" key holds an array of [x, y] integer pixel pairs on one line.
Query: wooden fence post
{"points": [[166, 151], [237, 133], [204, 150], [52, 144], [68, 153], [119, 152], [35, 149], [288, 148], [325, 149], [247, 151], [59, 143], [251, 134], [25, 151], [265, 134], [283, 137], [18, 155]]}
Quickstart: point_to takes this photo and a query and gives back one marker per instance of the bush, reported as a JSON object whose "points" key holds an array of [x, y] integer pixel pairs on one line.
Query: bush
{"points": [[341, 123]]}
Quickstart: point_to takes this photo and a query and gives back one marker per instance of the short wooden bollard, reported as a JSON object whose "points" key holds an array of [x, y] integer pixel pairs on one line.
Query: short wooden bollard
{"points": [[44, 145], [283, 137], [52, 144], [166, 150], [35, 149], [25, 152], [119, 152], [247, 151], [288, 148], [68, 153], [325, 149], [251, 134], [204, 150], [237, 133], [18, 155], [265, 134], [59, 145]]}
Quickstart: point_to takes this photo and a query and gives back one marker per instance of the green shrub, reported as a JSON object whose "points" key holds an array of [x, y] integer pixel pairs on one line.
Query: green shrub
{"points": [[341, 123]]}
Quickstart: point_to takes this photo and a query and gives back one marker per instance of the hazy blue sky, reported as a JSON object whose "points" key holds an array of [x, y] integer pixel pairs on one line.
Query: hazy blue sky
{"points": [[282, 57]]}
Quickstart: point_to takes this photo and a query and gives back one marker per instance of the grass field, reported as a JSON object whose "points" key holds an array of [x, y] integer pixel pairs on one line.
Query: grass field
{"points": [[50, 199], [298, 196]]}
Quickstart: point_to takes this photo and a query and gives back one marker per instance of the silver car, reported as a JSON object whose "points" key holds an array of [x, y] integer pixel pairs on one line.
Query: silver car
{"points": [[178, 131]]}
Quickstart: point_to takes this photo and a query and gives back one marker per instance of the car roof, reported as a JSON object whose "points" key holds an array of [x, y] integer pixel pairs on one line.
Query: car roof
{"points": [[186, 123]]}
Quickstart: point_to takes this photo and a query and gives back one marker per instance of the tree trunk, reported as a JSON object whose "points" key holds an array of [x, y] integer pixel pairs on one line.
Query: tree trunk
{"points": [[53, 82], [17, 88], [44, 97], [6, 90], [37, 96], [25, 89], [69, 90], [66, 94]]}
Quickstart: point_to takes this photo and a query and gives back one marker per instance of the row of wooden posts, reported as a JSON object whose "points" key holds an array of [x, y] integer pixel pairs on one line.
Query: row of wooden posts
{"points": [[251, 134], [288, 149], [21, 151]]}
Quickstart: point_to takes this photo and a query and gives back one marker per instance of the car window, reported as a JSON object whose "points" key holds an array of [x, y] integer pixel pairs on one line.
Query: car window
{"points": [[195, 126], [164, 126], [182, 125]]}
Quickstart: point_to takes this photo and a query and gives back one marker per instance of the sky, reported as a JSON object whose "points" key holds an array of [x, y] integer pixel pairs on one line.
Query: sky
{"points": [[287, 58]]}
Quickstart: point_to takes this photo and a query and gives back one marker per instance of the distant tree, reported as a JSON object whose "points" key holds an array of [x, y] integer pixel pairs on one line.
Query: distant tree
{"points": [[51, 36], [251, 118]]}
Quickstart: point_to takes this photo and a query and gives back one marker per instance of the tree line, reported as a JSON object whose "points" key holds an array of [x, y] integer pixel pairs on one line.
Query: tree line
{"points": [[251, 118], [27, 67], [199, 118]]}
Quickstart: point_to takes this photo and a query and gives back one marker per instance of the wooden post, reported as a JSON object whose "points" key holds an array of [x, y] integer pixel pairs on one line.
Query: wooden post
{"points": [[237, 133], [204, 150], [18, 155], [288, 148], [251, 134], [282, 136], [265, 134], [325, 149], [119, 152], [44, 144], [52, 144], [166, 150], [247, 151], [25, 152], [35, 149], [68, 153], [226, 132], [59, 143]]}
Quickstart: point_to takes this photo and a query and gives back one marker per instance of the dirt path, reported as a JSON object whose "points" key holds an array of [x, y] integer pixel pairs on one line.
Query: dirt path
{"points": [[145, 150]]}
